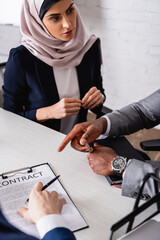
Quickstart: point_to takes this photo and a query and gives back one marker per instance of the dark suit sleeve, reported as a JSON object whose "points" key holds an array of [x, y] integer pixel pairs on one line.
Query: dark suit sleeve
{"points": [[9, 232], [15, 87], [59, 234]]}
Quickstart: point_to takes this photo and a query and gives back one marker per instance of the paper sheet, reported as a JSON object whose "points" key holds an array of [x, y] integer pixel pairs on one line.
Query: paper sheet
{"points": [[15, 190]]}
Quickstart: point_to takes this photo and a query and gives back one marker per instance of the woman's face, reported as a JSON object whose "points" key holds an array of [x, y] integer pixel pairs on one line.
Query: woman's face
{"points": [[60, 20]]}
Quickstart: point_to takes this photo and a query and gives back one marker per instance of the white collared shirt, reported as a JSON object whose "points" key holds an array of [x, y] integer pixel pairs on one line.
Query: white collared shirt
{"points": [[68, 87], [49, 222], [106, 134]]}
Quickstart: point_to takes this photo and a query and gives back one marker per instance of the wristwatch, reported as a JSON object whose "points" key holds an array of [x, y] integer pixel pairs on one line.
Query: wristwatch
{"points": [[118, 165]]}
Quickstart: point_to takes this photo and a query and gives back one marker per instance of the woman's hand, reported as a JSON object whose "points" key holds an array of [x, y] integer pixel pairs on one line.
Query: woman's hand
{"points": [[64, 108], [92, 98]]}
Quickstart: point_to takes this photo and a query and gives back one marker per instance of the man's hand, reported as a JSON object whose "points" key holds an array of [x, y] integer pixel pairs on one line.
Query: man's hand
{"points": [[100, 160], [84, 133], [41, 203]]}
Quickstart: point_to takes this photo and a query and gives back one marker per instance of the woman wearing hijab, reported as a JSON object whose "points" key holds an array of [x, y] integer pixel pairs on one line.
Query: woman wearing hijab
{"points": [[54, 77]]}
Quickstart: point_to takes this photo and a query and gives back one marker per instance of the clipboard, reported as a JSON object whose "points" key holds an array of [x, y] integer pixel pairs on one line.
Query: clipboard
{"points": [[139, 209], [15, 187]]}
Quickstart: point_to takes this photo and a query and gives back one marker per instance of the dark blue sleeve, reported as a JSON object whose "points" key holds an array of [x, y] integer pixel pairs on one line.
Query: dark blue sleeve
{"points": [[59, 234], [15, 87], [9, 232]]}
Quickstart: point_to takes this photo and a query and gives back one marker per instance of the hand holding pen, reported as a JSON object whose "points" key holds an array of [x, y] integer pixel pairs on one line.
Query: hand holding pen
{"points": [[41, 203], [45, 186]]}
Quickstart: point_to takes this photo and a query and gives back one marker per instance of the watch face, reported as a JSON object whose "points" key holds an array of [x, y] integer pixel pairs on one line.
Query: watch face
{"points": [[119, 163]]}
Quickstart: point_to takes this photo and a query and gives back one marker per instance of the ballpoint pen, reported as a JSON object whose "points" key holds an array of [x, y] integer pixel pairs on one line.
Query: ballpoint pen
{"points": [[47, 185]]}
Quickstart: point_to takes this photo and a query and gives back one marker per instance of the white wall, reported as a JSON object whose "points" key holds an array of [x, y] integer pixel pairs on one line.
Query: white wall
{"points": [[130, 35], [10, 11]]}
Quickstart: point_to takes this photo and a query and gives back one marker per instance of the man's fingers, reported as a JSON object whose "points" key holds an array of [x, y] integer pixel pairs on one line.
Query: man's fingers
{"points": [[82, 148], [67, 139], [99, 147], [88, 136], [62, 201], [84, 133], [23, 212], [54, 194], [96, 144], [78, 130], [38, 186], [85, 138]]}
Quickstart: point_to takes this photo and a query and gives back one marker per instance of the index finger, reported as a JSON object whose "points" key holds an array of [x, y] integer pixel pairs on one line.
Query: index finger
{"points": [[38, 186], [77, 131], [75, 143], [90, 92], [67, 139], [71, 100]]}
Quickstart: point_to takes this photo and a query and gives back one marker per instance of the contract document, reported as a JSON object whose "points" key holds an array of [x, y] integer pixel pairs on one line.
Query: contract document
{"points": [[15, 188]]}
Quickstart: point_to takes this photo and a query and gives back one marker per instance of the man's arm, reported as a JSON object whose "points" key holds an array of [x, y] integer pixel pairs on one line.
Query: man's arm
{"points": [[136, 116], [100, 161], [131, 182], [44, 210], [59, 234]]}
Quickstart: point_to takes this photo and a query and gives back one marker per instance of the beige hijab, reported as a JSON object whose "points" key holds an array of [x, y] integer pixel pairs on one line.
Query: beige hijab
{"points": [[43, 45]]}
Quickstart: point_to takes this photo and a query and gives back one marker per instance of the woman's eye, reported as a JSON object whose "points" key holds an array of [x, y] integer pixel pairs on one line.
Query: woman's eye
{"points": [[70, 10], [55, 19]]}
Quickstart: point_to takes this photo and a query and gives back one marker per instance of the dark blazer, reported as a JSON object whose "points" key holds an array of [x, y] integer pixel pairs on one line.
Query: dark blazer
{"points": [[29, 83], [9, 232]]}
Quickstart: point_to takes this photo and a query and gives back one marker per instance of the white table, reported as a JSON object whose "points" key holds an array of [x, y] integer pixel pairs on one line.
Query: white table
{"points": [[25, 143]]}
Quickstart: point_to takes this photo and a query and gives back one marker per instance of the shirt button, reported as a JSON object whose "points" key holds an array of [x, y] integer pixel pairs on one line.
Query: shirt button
{"points": [[134, 194], [145, 196]]}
